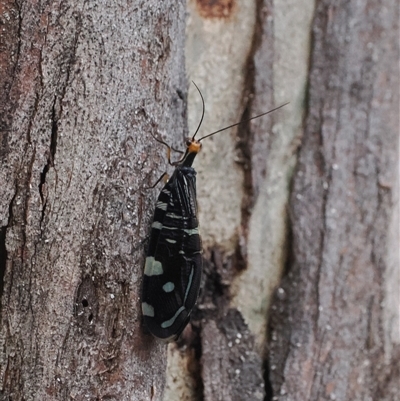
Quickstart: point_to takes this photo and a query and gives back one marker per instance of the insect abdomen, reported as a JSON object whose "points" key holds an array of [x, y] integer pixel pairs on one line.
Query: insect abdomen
{"points": [[173, 265]]}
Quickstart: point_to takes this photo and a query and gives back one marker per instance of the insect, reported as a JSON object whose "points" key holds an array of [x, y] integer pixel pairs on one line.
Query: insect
{"points": [[173, 266]]}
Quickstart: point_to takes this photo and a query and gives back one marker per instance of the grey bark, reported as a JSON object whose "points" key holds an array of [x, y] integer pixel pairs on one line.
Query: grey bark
{"points": [[243, 180], [330, 336], [220, 359], [334, 324], [83, 87]]}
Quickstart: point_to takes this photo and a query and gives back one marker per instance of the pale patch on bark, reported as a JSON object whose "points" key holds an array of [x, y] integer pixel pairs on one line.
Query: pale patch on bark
{"points": [[392, 278], [179, 380], [216, 55], [267, 228], [217, 52]]}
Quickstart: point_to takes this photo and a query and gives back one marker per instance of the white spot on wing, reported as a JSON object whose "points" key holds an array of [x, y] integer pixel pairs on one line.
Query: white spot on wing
{"points": [[170, 322], [184, 181], [161, 205], [189, 284], [147, 309], [157, 225], [191, 231], [174, 216], [168, 287], [153, 267]]}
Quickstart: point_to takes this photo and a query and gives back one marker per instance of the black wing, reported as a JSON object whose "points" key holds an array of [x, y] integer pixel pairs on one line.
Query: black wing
{"points": [[173, 265]]}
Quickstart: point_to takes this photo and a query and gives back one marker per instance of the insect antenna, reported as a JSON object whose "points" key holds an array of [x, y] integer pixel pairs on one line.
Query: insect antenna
{"points": [[243, 121], [204, 108]]}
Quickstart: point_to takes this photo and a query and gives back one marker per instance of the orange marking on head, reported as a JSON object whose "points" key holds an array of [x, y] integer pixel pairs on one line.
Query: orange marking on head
{"points": [[194, 147]]}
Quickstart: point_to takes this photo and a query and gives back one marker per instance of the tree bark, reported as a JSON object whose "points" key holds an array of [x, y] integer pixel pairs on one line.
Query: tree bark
{"points": [[83, 87], [240, 54], [244, 186], [335, 326]]}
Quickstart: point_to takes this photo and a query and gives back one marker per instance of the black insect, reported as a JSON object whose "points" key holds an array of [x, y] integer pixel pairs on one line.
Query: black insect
{"points": [[173, 267]]}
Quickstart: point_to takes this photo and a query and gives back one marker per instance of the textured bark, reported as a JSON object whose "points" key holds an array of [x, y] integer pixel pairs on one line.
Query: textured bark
{"points": [[219, 45], [243, 180], [335, 325], [269, 147], [83, 87]]}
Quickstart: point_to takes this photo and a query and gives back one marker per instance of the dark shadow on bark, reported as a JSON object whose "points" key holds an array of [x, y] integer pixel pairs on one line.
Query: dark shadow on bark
{"points": [[269, 394], [3, 257]]}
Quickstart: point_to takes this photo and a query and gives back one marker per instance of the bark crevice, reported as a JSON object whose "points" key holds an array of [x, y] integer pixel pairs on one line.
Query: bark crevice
{"points": [[50, 160], [3, 258], [3, 248], [246, 138]]}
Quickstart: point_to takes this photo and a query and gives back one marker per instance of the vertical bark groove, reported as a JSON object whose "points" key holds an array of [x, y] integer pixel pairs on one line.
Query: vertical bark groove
{"points": [[327, 327], [76, 157], [3, 258]]}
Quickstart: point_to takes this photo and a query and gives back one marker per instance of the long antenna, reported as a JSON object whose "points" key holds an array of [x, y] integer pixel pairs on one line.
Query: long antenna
{"points": [[204, 108], [240, 122]]}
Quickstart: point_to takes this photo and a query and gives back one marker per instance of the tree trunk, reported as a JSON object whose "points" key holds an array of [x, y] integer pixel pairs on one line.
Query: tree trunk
{"points": [[83, 87], [253, 56], [335, 326]]}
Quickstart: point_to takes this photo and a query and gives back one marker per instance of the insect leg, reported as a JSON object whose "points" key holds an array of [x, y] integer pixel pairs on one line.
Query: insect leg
{"points": [[169, 149], [164, 177]]}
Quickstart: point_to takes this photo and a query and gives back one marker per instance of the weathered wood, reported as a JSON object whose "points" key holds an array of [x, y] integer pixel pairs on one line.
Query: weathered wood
{"points": [[232, 373], [269, 150], [83, 85], [329, 337], [219, 38], [219, 43], [243, 182]]}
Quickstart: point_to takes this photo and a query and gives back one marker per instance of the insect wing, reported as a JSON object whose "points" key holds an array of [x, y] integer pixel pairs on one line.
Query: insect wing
{"points": [[173, 265]]}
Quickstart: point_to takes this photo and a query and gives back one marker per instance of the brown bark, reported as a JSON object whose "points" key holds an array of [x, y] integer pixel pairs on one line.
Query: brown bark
{"points": [[328, 331], [83, 85], [219, 359]]}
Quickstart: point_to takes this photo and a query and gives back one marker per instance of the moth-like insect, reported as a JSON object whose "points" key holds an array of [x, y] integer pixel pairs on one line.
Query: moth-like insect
{"points": [[173, 266]]}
